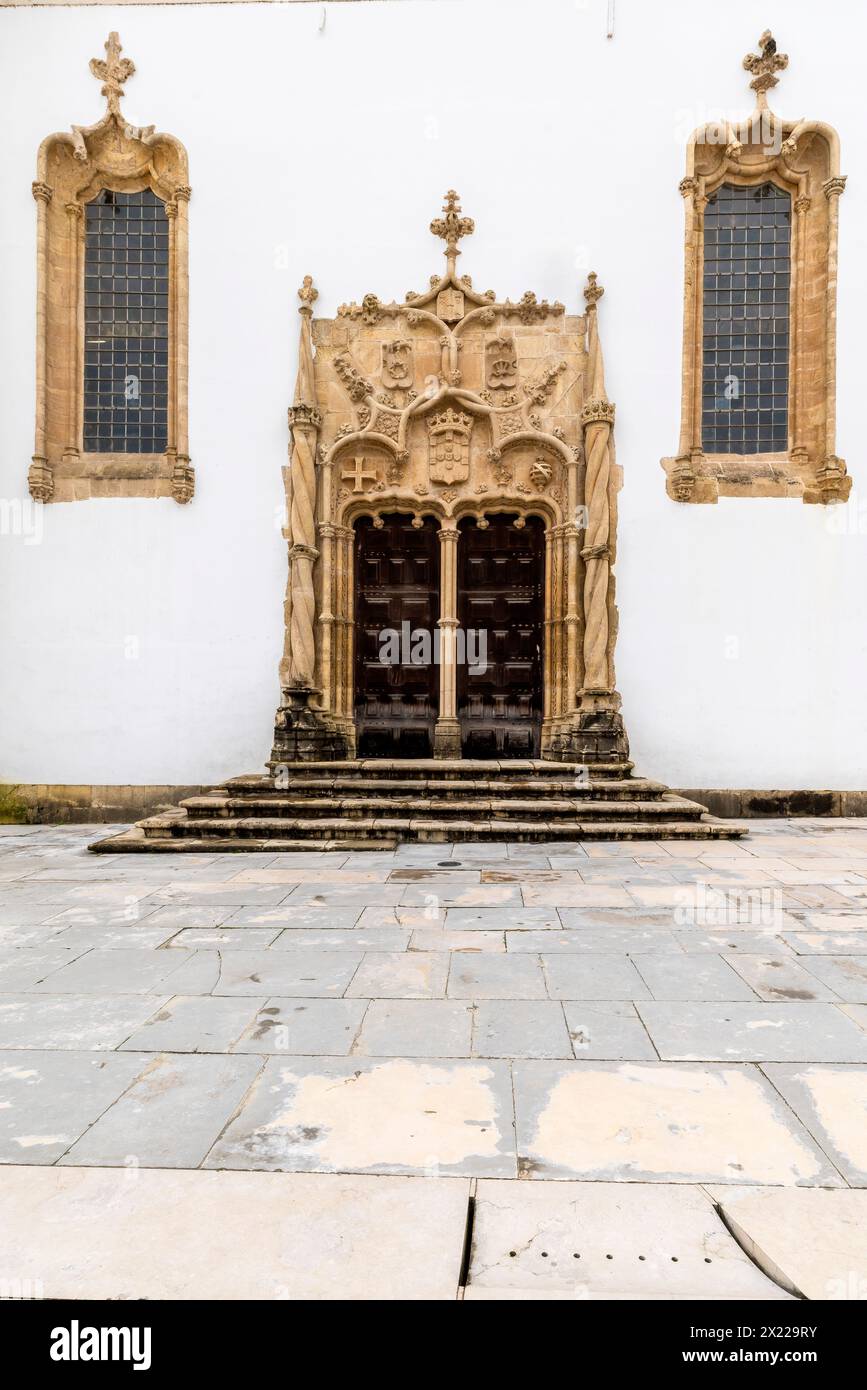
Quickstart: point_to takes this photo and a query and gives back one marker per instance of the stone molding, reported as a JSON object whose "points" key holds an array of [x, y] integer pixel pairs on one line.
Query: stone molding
{"points": [[72, 168], [803, 158]]}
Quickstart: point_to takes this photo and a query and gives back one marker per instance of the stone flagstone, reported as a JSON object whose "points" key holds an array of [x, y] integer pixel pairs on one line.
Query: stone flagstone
{"points": [[832, 1103]]}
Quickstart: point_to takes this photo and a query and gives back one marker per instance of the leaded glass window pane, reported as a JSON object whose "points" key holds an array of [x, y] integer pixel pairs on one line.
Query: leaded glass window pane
{"points": [[745, 360], [126, 344]]}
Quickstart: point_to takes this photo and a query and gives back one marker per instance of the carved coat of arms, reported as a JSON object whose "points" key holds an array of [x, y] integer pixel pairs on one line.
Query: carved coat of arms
{"points": [[449, 436]]}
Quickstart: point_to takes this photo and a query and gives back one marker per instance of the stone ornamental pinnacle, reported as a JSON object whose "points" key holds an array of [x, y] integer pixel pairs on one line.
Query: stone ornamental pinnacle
{"points": [[764, 66], [113, 71]]}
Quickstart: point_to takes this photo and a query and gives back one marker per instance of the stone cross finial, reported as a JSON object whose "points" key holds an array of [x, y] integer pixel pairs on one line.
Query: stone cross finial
{"points": [[451, 226], [308, 294], [765, 65], [113, 71]]}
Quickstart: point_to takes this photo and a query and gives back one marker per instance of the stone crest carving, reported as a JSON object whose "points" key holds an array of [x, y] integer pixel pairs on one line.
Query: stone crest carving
{"points": [[449, 435]]}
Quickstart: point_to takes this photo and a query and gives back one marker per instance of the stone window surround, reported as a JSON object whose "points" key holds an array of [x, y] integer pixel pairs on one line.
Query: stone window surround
{"points": [[802, 158], [72, 169]]}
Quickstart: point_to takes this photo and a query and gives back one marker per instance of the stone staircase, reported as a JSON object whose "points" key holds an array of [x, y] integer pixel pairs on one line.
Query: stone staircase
{"points": [[377, 804]]}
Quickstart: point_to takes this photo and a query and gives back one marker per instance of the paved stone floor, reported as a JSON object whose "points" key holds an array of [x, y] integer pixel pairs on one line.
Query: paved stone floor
{"points": [[653, 1014]]}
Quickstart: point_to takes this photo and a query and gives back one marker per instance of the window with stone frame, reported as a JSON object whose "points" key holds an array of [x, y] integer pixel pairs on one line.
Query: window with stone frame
{"points": [[759, 340], [111, 387]]}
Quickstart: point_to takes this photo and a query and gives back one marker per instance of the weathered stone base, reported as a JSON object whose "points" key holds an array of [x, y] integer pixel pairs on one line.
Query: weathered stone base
{"points": [[303, 733], [590, 737]]}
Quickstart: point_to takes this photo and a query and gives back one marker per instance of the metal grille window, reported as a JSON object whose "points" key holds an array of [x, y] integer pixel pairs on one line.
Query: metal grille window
{"points": [[745, 361], [126, 299]]}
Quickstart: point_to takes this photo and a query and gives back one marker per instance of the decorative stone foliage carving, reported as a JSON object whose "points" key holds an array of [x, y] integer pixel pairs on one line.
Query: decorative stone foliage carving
{"points": [[72, 171], [452, 404], [802, 159]]}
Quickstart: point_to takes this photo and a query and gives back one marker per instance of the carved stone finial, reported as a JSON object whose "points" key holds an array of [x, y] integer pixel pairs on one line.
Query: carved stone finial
{"points": [[451, 226], [308, 294], [765, 65], [592, 291], [112, 71]]}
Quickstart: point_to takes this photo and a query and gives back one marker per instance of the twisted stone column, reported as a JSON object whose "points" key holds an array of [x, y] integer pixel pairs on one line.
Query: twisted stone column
{"points": [[304, 421]]}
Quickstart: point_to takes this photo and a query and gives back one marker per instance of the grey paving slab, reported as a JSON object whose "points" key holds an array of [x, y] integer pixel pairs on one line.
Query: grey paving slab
{"points": [[226, 938], [194, 1023], [845, 975], [320, 915], [699, 976], [72, 1021], [770, 1032], [509, 918], [819, 943], [293, 974], [520, 1028], [773, 978], [171, 1115], [694, 941], [497, 895], [341, 895], [443, 939], [401, 975], [354, 939], [415, 1028], [48, 1099], [177, 917], [116, 971], [629, 918], [35, 937], [858, 1012], [229, 1236], [22, 967], [356, 1114], [141, 935], [496, 977], [590, 1240], [593, 941], [607, 1030], [192, 894], [372, 918], [124, 915], [304, 1027], [593, 977], [651, 1122], [832, 1103]]}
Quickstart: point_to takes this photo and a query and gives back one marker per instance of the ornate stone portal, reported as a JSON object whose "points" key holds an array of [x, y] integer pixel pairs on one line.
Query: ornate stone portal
{"points": [[451, 406]]}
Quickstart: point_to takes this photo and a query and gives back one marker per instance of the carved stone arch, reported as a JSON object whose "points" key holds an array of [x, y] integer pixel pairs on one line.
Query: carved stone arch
{"points": [[73, 170], [403, 408]]}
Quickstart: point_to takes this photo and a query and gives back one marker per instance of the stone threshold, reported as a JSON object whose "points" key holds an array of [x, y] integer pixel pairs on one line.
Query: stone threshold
{"points": [[61, 803]]}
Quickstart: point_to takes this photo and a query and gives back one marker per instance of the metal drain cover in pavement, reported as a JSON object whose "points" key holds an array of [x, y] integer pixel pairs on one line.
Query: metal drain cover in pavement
{"points": [[579, 1240]]}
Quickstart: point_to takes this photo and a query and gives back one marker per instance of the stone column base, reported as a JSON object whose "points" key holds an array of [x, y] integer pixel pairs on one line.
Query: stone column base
{"points": [[447, 739], [303, 733], [590, 736]]}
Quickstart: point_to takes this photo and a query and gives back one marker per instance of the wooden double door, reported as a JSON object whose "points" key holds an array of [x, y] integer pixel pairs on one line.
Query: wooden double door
{"points": [[499, 604]]}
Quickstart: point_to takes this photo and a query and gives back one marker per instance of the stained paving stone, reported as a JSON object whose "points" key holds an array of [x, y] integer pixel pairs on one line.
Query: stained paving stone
{"points": [[520, 1028], [645, 1121], [225, 938], [575, 895], [359, 1115], [130, 971], [401, 975], [442, 939], [37, 936], [811, 1241], [510, 918], [630, 918], [833, 921], [132, 934], [308, 974], [841, 943], [178, 917], [696, 977], [694, 941], [321, 916], [593, 977], [232, 1235], [497, 895], [415, 1028], [23, 967], [857, 1012], [496, 977], [593, 941], [845, 975], [48, 1099], [772, 978], [208, 894], [832, 1104], [607, 1030], [172, 1113], [72, 1021], [342, 895], [194, 1023], [355, 939], [303, 1027], [591, 1240], [774, 1032]]}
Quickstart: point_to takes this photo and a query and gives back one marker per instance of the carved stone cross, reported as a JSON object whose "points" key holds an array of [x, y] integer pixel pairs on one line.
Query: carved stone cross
{"points": [[112, 71], [451, 226], [359, 475]]}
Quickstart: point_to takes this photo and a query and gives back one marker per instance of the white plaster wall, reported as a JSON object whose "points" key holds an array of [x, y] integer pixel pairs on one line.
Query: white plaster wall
{"points": [[140, 639]]}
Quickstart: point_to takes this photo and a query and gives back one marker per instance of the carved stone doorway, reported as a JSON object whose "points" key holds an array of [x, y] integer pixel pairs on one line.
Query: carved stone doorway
{"points": [[396, 610], [501, 578]]}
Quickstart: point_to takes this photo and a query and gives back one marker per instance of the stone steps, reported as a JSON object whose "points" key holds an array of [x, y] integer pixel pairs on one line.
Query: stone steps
{"points": [[379, 804]]}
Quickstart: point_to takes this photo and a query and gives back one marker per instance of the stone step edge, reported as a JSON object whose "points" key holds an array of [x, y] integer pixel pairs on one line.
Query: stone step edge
{"points": [[273, 809], [445, 767], [528, 787]]}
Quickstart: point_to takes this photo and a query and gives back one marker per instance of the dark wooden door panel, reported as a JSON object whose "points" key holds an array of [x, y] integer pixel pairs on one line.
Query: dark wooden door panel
{"points": [[397, 583], [501, 575]]}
